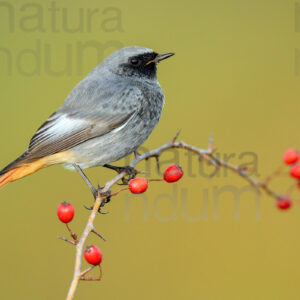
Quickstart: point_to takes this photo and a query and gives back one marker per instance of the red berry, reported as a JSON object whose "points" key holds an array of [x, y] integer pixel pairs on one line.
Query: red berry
{"points": [[138, 185], [65, 212], [284, 202], [173, 173], [93, 255], [291, 156], [295, 171]]}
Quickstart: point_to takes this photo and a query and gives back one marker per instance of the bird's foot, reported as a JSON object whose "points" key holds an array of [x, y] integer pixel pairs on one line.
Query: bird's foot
{"points": [[107, 198], [130, 172]]}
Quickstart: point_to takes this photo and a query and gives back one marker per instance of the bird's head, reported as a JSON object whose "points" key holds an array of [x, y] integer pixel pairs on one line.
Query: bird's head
{"points": [[135, 62]]}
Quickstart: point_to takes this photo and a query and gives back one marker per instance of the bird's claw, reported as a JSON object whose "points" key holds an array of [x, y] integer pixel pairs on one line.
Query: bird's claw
{"points": [[88, 208], [105, 201], [131, 173]]}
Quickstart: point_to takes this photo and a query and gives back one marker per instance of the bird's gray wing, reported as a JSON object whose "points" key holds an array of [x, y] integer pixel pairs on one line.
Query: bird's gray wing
{"points": [[75, 123]]}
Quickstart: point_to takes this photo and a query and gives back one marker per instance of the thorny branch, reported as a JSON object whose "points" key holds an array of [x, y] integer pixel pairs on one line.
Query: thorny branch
{"points": [[101, 194]]}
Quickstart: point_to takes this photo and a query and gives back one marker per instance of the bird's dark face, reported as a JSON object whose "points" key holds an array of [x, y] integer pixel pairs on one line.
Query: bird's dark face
{"points": [[142, 65]]}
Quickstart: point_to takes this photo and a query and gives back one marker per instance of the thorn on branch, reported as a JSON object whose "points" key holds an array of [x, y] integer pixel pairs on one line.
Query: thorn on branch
{"points": [[157, 164], [176, 136], [98, 234], [156, 156], [211, 146], [68, 240]]}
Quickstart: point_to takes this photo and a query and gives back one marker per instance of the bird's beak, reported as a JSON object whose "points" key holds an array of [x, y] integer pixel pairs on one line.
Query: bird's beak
{"points": [[159, 57]]}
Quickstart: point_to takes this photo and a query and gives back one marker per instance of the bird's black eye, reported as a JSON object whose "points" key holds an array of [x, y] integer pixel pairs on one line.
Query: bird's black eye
{"points": [[134, 61]]}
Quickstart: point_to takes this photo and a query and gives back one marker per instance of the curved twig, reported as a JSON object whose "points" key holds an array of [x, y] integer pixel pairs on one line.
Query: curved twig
{"points": [[207, 154]]}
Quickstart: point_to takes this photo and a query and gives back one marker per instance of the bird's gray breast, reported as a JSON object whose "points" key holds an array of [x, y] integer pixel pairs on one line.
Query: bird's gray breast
{"points": [[150, 110]]}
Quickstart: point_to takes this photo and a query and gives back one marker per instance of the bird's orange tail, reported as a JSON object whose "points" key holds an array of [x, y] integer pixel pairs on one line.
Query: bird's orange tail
{"points": [[21, 171], [22, 167]]}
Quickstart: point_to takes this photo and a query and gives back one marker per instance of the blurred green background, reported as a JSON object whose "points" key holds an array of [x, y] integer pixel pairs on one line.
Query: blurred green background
{"points": [[235, 76]]}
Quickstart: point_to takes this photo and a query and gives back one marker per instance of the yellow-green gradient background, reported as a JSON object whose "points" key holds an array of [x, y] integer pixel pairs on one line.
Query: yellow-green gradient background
{"points": [[233, 76]]}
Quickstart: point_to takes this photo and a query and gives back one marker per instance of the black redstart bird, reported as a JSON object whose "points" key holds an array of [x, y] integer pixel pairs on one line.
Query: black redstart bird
{"points": [[107, 116]]}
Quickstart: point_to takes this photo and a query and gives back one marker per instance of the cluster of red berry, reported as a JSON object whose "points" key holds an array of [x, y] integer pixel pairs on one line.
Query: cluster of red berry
{"points": [[65, 211], [290, 158], [139, 185]]}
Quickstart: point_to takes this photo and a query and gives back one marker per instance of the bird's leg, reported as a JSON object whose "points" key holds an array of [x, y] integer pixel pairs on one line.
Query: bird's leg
{"points": [[130, 171], [86, 180]]}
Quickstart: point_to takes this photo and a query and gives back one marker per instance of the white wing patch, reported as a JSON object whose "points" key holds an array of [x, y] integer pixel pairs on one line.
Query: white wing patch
{"points": [[63, 124], [56, 126]]}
